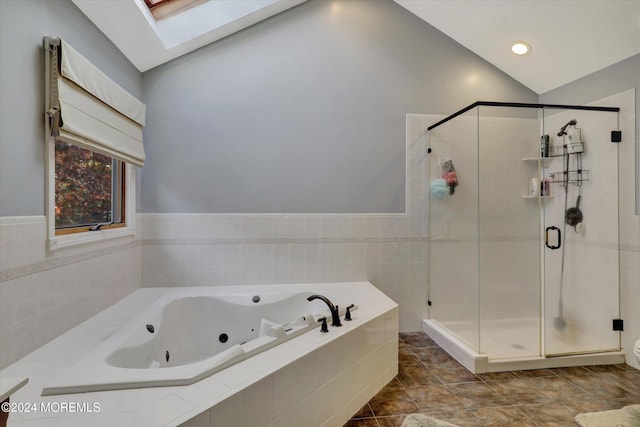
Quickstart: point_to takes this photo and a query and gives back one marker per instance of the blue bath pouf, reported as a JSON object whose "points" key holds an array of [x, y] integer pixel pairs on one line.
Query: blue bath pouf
{"points": [[440, 189]]}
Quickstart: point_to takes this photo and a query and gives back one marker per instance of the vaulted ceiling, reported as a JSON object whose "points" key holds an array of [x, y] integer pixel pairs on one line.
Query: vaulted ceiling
{"points": [[569, 38]]}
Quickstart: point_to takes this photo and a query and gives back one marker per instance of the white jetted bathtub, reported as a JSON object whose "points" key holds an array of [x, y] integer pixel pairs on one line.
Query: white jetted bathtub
{"points": [[205, 356], [190, 334]]}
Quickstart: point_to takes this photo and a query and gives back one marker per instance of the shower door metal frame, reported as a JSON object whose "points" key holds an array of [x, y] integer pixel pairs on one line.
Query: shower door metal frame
{"points": [[521, 105]]}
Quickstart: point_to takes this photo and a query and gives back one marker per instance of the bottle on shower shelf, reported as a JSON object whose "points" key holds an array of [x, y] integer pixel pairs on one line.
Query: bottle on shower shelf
{"points": [[534, 187], [545, 187], [544, 146]]}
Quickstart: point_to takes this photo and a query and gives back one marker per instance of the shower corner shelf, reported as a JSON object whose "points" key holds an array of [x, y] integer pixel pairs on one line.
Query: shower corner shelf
{"points": [[533, 164], [537, 197], [544, 160]]}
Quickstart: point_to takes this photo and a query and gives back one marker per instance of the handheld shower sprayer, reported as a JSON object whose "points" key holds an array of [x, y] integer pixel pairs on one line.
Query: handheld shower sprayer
{"points": [[572, 122]]}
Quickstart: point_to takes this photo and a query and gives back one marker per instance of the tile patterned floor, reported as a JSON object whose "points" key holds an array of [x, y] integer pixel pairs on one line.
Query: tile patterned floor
{"points": [[432, 382]]}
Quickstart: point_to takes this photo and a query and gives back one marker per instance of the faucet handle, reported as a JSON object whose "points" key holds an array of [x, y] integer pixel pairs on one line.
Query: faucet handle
{"points": [[323, 328], [335, 317], [347, 315]]}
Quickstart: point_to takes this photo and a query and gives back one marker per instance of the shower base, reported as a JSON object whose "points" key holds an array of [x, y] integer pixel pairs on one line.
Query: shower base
{"points": [[480, 363]]}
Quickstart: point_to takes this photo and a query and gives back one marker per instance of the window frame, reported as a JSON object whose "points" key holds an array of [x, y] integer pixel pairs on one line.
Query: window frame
{"points": [[84, 234]]}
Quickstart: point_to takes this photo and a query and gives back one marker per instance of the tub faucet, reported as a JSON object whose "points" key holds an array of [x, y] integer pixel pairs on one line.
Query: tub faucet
{"points": [[335, 316]]}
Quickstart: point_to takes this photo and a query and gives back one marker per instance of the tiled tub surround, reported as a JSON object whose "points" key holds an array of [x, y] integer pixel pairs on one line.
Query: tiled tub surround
{"points": [[314, 379], [258, 249], [43, 293]]}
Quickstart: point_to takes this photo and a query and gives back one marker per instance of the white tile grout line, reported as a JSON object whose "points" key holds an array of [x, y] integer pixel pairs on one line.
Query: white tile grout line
{"points": [[42, 266], [280, 240]]}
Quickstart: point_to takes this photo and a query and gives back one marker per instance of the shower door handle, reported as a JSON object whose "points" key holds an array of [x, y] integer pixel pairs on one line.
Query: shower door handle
{"points": [[546, 237]]}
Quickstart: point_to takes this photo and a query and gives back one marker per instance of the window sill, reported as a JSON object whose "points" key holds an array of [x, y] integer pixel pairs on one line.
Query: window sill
{"points": [[76, 239]]}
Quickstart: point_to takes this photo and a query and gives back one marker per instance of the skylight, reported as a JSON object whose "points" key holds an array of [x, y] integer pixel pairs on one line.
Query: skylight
{"points": [[164, 8], [179, 21], [152, 32]]}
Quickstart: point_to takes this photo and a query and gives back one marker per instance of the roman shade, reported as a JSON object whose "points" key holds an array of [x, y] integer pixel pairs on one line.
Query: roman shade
{"points": [[88, 109]]}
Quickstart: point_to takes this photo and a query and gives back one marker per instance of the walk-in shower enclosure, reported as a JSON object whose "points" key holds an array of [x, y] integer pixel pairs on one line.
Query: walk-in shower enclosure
{"points": [[513, 281]]}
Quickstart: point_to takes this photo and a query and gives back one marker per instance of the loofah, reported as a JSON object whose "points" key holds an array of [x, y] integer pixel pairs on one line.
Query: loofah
{"points": [[440, 188]]}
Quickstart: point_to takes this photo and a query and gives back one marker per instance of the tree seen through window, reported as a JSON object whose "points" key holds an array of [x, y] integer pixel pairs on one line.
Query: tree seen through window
{"points": [[83, 186]]}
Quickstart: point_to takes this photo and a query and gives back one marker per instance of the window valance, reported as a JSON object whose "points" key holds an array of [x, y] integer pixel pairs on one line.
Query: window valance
{"points": [[89, 109]]}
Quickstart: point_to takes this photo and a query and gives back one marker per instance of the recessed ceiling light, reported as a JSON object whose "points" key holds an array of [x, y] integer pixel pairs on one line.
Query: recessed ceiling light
{"points": [[521, 48]]}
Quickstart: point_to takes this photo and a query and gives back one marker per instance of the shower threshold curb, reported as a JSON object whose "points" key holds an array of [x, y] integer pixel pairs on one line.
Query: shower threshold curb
{"points": [[480, 363]]}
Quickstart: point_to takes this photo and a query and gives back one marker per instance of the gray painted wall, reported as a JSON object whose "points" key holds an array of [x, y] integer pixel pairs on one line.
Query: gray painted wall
{"points": [[23, 24], [611, 80], [305, 112]]}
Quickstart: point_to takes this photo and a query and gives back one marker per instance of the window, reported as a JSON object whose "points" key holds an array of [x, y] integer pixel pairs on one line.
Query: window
{"points": [[89, 190], [94, 140], [91, 196]]}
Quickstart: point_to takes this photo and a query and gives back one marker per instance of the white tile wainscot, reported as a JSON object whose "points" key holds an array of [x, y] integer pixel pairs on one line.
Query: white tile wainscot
{"points": [[313, 380]]}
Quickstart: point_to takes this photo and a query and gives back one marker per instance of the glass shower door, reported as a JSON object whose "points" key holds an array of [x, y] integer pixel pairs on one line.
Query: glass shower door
{"points": [[581, 268], [509, 233]]}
